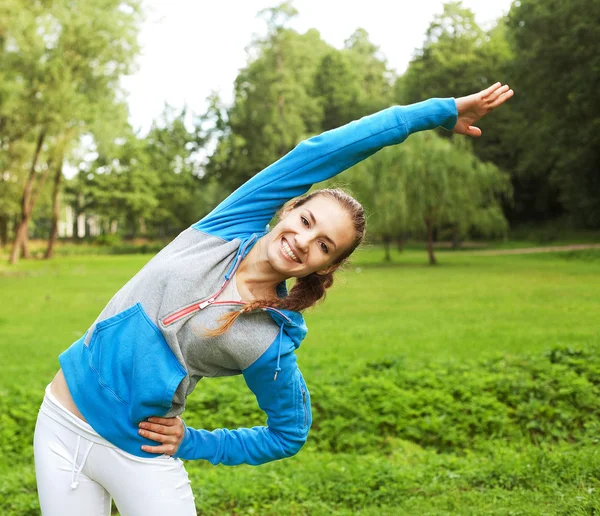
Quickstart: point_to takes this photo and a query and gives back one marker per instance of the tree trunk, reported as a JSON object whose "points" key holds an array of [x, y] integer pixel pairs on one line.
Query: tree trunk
{"points": [[27, 205], [400, 241], [456, 239], [55, 210], [387, 240], [429, 224], [3, 231], [25, 242]]}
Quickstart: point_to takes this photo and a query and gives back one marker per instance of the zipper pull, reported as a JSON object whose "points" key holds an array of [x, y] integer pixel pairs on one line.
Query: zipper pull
{"points": [[204, 304]]}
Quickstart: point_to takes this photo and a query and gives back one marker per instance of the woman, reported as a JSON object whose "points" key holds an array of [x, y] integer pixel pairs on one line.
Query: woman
{"points": [[214, 303]]}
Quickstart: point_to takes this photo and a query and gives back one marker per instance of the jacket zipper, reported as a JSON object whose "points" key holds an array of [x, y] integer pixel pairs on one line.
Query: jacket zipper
{"points": [[304, 406], [201, 305]]}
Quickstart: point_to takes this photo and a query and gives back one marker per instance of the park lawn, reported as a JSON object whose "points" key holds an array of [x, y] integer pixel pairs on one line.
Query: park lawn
{"points": [[469, 308]]}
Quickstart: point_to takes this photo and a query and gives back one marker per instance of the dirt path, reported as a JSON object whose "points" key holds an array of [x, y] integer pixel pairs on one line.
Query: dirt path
{"points": [[532, 250]]}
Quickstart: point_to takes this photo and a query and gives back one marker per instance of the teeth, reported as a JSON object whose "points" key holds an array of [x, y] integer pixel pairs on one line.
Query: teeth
{"points": [[289, 252]]}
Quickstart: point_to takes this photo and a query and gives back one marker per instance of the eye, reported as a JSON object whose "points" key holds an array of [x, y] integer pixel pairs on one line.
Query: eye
{"points": [[324, 247], [304, 221]]}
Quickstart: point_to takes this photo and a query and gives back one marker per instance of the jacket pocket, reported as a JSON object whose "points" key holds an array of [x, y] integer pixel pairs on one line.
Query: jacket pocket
{"points": [[304, 412], [134, 363]]}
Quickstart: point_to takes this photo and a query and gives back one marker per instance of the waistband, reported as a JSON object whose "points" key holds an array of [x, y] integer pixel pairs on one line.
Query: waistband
{"points": [[56, 411]]}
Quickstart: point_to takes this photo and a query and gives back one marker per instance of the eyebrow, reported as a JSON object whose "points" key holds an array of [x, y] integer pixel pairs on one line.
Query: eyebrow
{"points": [[314, 221]]}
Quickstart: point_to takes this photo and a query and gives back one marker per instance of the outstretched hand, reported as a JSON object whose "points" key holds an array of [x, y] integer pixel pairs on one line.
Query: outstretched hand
{"points": [[473, 107], [166, 430]]}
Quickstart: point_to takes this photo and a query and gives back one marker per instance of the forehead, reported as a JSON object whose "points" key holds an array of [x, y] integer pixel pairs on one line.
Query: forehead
{"points": [[332, 219]]}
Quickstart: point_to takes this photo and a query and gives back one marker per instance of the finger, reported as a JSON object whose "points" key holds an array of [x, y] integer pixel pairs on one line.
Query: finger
{"points": [[473, 131], [161, 429], [502, 98], [496, 93], [162, 449], [167, 421], [491, 89], [160, 438]]}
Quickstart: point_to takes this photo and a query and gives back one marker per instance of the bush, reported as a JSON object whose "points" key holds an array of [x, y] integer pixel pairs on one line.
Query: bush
{"points": [[547, 398], [108, 240]]}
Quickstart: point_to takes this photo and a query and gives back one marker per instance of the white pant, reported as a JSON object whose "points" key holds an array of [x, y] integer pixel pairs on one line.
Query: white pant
{"points": [[78, 472]]}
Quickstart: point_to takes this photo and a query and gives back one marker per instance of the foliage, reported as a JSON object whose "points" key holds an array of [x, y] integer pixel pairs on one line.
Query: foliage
{"points": [[490, 409], [458, 58], [554, 44], [272, 110], [404, 391], [61, 65], [59, 80], [429, 183]]}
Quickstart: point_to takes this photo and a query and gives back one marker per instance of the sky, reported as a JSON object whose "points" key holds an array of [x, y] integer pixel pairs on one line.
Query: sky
{"points": [[193, 47]]}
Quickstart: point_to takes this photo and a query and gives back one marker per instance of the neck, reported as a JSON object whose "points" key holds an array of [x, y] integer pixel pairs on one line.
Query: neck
{"points": [[256, 279]]}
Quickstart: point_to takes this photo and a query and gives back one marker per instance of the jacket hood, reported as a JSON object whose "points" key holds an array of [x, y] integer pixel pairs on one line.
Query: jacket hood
{"points": [[291, 322]]}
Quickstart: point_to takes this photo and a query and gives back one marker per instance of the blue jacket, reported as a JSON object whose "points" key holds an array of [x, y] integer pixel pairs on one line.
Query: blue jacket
{"points": [[147, 350]]}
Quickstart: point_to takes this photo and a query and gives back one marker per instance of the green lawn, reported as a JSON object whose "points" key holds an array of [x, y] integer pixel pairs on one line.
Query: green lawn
{"points": [[403, 318]]}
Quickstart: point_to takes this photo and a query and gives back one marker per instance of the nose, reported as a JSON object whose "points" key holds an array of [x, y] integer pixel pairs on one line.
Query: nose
{"points": [[301, 241]]}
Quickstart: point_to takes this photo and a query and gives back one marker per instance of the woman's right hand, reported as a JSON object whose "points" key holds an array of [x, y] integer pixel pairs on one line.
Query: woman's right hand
{"points": [[474, 107], [166, 430]]}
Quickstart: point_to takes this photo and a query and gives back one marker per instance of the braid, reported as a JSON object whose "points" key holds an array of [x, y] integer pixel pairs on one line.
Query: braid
{"points": [[308, 290]]}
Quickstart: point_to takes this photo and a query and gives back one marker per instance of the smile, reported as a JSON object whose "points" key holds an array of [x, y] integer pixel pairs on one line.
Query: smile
{"points": [[288, 251]]}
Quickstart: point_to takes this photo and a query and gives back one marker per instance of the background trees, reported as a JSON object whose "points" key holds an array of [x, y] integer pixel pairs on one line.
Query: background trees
{"points": [[60, 70], [556, 69], [59, 81], [430, 184]]}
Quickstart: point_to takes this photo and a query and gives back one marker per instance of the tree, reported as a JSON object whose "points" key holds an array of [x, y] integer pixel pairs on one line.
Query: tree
{"points": [[121, 187], [273, 109], [447, 186], [171, 149], [458, 58], [427, 184], [557, 73], [352, 82], [450, 61], [62, 65], [378, 183], [374, 77], [337, 86]]}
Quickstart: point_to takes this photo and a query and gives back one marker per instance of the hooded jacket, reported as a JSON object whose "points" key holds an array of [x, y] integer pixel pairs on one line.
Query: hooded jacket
{"points": [[147, 350]]}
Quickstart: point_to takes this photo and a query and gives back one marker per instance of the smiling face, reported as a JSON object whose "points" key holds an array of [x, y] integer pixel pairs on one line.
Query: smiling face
{"points": [[310, 238]]}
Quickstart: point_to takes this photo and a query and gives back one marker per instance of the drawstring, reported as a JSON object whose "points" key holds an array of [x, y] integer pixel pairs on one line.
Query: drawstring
{"points": [[74, 474], [277, 369]]}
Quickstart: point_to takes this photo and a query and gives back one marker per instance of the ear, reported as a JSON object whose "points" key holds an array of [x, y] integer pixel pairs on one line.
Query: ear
{"points": [[328, 270]]}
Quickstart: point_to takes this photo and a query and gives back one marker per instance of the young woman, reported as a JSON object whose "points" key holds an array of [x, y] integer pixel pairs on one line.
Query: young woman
{"points": [[214, 303]]}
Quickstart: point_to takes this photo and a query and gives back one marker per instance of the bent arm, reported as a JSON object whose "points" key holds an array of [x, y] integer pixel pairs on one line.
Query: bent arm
{"points": [[250, 208], [286, 402]]}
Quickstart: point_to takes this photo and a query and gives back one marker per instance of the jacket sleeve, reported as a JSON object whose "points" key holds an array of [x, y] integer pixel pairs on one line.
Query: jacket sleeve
{"points": [[286, 402], [251, 207]]}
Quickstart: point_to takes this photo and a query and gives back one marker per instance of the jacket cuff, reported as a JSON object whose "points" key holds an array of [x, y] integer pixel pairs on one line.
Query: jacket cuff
{"points": [[430, 114], [198, 444]]}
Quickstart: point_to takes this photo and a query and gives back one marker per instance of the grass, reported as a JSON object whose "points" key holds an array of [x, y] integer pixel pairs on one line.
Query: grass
{"points": [[468, 308]]}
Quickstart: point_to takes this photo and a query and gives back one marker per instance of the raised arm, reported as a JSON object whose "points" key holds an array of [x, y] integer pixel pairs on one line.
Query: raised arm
{"points": [[250, 208]]}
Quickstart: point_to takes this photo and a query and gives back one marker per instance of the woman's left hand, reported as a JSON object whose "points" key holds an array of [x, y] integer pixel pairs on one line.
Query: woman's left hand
{"points": [[166, 430], [473, 107]]}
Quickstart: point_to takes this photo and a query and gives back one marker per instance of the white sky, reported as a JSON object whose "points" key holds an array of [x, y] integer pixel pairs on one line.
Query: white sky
{"points": [[192, 47]]}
